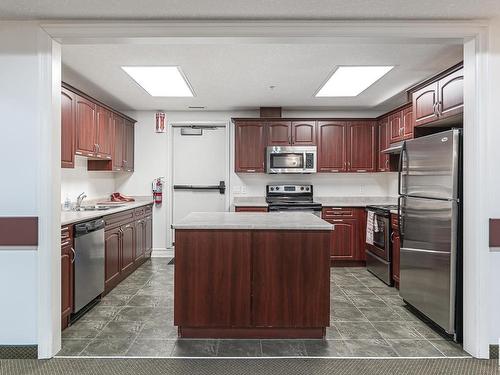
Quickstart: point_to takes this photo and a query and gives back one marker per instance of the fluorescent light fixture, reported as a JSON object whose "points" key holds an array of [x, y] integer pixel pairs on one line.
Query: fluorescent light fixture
{"points": [[160, 80], [352, 80]]}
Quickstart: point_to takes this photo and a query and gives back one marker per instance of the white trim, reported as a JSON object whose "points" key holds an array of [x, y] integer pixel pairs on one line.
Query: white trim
{"points": [[162, 253], [49, 173]]}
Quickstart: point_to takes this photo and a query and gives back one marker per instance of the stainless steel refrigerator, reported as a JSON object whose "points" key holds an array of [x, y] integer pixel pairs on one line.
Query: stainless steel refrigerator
{"points": [[430, 178]]}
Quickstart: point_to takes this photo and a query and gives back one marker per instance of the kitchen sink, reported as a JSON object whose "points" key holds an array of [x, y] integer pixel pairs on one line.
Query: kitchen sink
{"points": [[98, 207]]}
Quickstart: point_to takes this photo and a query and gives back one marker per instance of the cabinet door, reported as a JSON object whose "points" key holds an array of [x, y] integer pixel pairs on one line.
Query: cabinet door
{"points": [[112, 250], [68, 118], [344, 240], [396, 247], [290, 278], [148, 235], [396, 127], [304, 133], [129, 146], [362, 144], [383, 143], [140, 239], [451, 94], [128, 247], [66, 279], [104, 133], [279, 133], [250, 146], [407, 126], [85, 127], [118, 156], [424, 104], [332, 152]]}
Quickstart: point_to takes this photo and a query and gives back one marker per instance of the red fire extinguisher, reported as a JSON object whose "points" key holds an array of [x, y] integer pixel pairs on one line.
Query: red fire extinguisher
{"points": [[157, 187]]}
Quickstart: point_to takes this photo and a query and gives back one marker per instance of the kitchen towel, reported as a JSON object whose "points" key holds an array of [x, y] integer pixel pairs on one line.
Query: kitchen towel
{"points": [[369, 227]]}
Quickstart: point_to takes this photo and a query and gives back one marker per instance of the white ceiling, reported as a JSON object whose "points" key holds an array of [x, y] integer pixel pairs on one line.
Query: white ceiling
{"points": [[238, 76], [249, 9]]}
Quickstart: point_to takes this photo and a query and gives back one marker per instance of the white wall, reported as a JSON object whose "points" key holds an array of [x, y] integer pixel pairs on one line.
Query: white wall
{"points": [[30, 153], [493, 183], [79, 179], [153, 158]]}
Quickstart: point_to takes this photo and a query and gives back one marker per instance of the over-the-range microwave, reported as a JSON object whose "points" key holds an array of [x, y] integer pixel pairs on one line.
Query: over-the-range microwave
{"points": [[291, 159]]}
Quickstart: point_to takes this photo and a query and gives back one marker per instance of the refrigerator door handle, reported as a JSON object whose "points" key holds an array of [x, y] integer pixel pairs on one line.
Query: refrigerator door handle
{"points": [[400, 169], [400, 218]]}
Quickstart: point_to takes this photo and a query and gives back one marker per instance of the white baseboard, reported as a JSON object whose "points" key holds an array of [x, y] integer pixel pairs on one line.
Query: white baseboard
{"points": [[162, 253]]}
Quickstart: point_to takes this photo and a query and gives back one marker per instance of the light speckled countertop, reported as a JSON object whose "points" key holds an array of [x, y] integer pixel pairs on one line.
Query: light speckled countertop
{"points": [[253, 220], [71, 217]]}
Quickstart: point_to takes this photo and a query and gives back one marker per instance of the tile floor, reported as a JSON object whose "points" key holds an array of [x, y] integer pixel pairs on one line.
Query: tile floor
{"points": [[368, 319]]}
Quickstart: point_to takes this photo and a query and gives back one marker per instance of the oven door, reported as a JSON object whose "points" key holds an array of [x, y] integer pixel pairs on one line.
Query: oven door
{"points": [[381, 237]]}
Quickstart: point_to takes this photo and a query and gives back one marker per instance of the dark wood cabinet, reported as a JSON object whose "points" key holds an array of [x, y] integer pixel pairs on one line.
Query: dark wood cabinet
{"points": [[67, 272], [112, 246], [85, 127], [128, 241], [407, 126], [104, 133], [250, 209], [332, 143], [362, 145], [118, 146], [128, 144], [128, 247], [396, 127], [304, 133], [348, 237], [383, 143], [279, 133], [440, 101], [68, 119], [250, 145], [396, 249], [424, 104]]}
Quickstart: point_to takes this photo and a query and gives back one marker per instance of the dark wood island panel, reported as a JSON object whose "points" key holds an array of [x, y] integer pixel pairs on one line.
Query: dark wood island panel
{"points": [[252, 283]]}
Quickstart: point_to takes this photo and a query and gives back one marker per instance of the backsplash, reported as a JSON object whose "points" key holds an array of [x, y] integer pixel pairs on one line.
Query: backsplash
{"points": [[79, 179]]}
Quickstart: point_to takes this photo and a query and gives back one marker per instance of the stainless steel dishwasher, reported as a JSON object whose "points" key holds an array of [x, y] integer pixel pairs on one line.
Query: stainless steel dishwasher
{"points": [[89, 262]]}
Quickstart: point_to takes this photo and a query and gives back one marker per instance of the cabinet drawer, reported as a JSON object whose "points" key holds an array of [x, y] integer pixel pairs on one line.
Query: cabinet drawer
{"points": [[139, 212], [148, 209], [66, 233], [394, 221], [337, 212], [119, 218]]}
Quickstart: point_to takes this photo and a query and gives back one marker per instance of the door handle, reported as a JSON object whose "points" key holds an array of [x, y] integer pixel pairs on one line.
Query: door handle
{"points": [[221, 187]]}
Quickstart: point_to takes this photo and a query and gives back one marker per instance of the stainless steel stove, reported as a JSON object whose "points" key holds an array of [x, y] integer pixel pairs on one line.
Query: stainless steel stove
{"points": [[292, 198]]}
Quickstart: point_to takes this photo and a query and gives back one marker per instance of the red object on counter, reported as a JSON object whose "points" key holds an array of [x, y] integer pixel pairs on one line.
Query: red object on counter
{"points": [[118, 197]]}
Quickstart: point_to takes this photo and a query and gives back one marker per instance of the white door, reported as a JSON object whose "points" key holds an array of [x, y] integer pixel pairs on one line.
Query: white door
{"points": [[199, 166]]}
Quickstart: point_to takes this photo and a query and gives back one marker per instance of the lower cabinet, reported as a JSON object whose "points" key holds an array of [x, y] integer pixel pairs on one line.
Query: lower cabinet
{"points": [[348, 238], [67, 287], [128, 241], [396, 249]]}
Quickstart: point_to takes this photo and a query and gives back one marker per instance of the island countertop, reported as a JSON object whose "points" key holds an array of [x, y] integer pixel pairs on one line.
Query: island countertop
{"points": [[253, 220]]}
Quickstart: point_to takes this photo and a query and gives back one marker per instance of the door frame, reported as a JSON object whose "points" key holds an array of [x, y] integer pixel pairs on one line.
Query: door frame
{"points": [[180, 124], [472, 34]]}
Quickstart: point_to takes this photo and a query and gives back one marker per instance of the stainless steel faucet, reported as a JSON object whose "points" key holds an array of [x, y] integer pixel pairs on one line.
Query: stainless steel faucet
{"points": [[79, 200]]}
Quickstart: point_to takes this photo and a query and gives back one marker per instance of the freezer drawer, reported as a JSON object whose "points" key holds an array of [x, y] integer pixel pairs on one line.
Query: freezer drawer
{"points": [[427, 283], [430, 166]]}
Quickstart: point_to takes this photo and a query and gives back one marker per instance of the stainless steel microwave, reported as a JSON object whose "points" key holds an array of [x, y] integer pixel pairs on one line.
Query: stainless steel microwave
{"points": [[291, 159]]}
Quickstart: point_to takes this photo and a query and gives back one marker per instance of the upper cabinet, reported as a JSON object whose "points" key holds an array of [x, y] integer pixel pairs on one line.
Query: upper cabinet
{"points": [[250, 145], [395, 127], [439, 101], [332, 146], [288, 133], [383, 143], [91, 129], [85, 127], [362, 147], [68, 118], [407, 118], [400, 123]]}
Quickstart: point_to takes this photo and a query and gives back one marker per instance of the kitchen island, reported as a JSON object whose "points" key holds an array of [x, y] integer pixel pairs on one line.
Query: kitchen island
{"points": [[252, 275]]}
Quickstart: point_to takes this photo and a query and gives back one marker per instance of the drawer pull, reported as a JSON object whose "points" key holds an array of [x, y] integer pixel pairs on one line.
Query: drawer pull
{"points": [[65, 243]]}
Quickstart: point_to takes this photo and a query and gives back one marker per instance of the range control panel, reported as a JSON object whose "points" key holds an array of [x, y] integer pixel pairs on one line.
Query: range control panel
{"points": [[289, 189]]}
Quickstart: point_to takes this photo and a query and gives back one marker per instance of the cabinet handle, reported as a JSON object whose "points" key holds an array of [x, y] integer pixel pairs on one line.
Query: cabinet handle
{"points": [[78, 153], [90, 154], [334, 170], [438, 108], [338, 220], [65, 243], [361, 170], [118, 169], [74, 255], [250, 170], [392, 237]]}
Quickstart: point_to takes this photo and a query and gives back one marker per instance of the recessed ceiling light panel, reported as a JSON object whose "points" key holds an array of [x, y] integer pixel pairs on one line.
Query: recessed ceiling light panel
{"points": [[352, 80], [160, 80]]}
